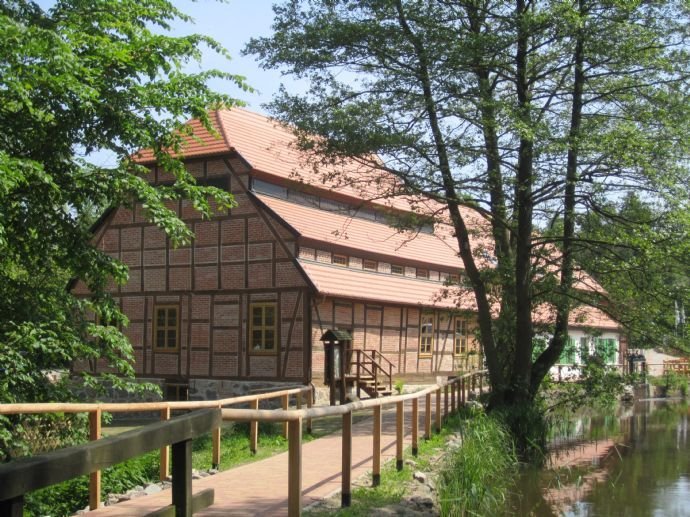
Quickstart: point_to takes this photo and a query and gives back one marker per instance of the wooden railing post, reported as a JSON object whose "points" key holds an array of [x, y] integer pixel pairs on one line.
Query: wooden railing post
{"points": [[462, 390], [310, 403], [445, 402], [254, 429], [453, 388], [346, 489], [295, 468], [215, 454], [427, 416], [165, 451], [12, 507], [438, 410], [399, 434], [376, 467], [481, 382], [415, 426], [359, 373], [95, 477], [182, 478], [285, 404]]}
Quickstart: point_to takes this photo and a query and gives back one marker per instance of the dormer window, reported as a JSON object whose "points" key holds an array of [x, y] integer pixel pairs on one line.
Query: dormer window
{"points": [[370, 265], [339, 260], [397, 269]]}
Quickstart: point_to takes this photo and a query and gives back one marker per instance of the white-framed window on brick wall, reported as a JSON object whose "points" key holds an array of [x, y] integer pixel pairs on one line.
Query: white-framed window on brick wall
{"points": [[262, 328], [426, 334], [166, 328]]}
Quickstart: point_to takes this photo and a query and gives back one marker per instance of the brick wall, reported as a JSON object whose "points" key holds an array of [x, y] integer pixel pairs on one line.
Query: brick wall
{"points": [[236, 258]]}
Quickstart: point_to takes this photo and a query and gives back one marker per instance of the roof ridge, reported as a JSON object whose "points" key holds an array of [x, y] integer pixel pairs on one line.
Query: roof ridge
{"points": [[223, 131]]}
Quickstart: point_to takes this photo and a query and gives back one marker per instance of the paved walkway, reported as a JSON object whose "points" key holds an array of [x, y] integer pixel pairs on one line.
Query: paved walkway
{"points": [[260, 488]]}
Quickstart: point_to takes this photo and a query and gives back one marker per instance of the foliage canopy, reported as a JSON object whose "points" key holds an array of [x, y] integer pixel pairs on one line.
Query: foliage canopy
{"points": [[79, 78], [530, 112]]}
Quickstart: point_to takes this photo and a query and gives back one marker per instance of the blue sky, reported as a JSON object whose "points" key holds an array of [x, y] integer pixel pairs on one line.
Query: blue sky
{"points": [[233, 23]]}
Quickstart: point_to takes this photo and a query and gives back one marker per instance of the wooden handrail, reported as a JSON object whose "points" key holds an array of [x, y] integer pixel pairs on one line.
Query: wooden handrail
{"points": [[27, 474], [164, 408], [133, 407], [379, 354], [295, 418], [366, 358]]}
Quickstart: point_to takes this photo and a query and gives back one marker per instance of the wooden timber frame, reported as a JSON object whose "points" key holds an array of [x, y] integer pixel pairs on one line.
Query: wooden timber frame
{"points": [[35, 472], [461, 385], [95, 412]]}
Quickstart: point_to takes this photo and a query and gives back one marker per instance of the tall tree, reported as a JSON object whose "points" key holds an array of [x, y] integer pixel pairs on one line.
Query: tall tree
{"points": [[646, 271], [76, 79], [524, 111]]}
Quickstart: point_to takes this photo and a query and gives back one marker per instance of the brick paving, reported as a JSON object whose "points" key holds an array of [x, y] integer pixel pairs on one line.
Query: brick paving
{"points": [[260, 488]]}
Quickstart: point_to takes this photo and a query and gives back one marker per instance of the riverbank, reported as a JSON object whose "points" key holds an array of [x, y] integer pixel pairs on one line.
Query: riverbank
{"points": [[466, 469]]}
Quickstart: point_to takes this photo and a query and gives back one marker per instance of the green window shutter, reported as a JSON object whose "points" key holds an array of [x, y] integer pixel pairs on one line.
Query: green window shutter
{"points": [[569, 352], [606, 349]]}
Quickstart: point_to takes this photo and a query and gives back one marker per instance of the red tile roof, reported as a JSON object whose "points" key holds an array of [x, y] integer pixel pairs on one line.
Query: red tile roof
{"points": [[270, 149], [332, 228], [380, 287], [201, 143]]}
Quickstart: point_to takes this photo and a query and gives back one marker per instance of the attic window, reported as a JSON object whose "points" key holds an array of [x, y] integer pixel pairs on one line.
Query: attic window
{"points": [[339, 260], [397, 269], [422, 273], [370, 265], [263, 187]]}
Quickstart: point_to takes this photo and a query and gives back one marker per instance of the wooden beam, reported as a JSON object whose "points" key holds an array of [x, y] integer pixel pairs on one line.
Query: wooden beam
{"points": [[254, 429], [95, 477], [165, 450], [295, 468], [285, 404], [415, 426], [12, 507], [20, 476], [182, 478], [310, 403], [376, 467], [399, 434], [346, 490], [453, 388], [427, 416], [215, 453]]}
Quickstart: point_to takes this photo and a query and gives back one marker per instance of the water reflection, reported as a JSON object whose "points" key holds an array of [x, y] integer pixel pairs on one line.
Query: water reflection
{"points": [[634, 461]]}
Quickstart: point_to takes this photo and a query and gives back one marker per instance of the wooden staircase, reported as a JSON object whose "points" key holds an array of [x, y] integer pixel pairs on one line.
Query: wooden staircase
{"points": [[370, 372]]}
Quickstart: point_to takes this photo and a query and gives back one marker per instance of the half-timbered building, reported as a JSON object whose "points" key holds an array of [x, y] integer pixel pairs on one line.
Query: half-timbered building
{"points": [[245, 303]]}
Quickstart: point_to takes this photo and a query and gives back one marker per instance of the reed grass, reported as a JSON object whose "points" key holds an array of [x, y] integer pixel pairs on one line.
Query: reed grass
{"points": [[476, 478]]}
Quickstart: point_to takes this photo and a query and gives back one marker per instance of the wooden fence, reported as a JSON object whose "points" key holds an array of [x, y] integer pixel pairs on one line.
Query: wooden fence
{"points": [[164, 408], [35, 472], [447, 398], [679, 366]]}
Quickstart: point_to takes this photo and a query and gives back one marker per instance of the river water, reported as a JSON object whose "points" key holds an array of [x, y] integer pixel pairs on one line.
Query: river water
{"points": [[632, 461]]}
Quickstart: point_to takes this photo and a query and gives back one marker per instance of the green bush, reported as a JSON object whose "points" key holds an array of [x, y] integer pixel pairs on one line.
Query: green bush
{"points": [[671, 381], [476, 478], [68, 497]]}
